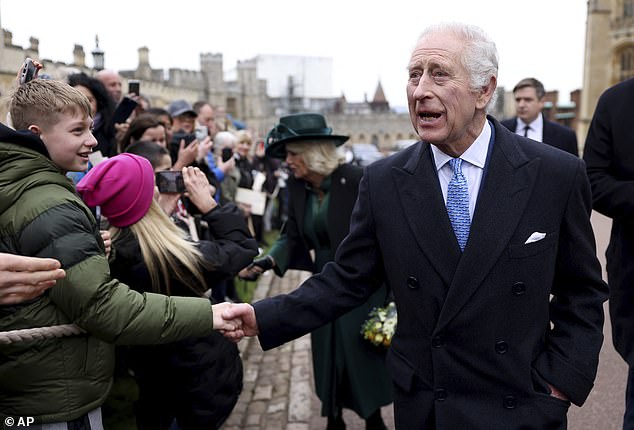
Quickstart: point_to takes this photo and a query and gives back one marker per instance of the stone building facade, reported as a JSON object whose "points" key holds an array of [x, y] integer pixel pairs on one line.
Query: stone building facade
{"points": [[609, 53]]}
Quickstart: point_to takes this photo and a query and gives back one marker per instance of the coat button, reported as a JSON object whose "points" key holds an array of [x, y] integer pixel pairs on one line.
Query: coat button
{"points": [[510, 402], [501, 347], [412, 282], [437, 341], [519, 288], [440, 394]]}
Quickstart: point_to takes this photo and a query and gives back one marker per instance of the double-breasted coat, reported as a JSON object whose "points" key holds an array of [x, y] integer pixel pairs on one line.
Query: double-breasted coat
{"points": [[479, 335]]}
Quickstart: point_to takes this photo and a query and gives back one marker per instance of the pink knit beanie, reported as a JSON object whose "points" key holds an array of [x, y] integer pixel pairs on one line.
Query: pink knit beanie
{"points": [[122, 185]]}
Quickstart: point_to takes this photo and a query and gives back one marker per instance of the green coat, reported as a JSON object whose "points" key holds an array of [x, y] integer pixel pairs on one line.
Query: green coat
{"points": [[61, 379], [349, 371]]}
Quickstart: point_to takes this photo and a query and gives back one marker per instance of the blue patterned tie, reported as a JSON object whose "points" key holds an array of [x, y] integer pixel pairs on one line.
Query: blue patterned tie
{"points": [[458, 203]]}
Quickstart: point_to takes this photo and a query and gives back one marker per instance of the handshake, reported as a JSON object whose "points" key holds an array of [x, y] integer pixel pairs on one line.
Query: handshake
{"points": [[235, 320]]}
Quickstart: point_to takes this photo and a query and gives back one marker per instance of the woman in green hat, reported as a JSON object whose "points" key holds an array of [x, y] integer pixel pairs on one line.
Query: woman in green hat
{"points": [[349, 371]]}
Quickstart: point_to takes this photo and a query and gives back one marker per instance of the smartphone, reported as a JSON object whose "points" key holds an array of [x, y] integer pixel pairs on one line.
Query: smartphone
{"points": [[124, 110], [201, 132], [170, 181], [134, 86], [28, 72], [227, 153], [187, 137]]}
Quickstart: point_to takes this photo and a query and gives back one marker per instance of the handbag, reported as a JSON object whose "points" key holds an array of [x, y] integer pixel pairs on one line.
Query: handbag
{"points": [[380, 325]]}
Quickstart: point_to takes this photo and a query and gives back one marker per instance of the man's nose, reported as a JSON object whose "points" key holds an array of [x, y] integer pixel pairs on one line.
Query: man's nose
{"points": [[422, 90]]}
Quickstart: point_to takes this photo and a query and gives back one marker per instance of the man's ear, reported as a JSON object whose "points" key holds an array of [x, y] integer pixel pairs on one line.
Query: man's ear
{"points": [[35, 129], [486, 93]]}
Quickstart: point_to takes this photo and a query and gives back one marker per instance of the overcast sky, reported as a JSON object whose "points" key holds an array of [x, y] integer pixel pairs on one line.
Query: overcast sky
{"points": [[368, 41]]}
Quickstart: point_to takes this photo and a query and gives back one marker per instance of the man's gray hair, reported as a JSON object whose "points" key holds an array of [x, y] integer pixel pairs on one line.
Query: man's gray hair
{"points": [[480, 55]]}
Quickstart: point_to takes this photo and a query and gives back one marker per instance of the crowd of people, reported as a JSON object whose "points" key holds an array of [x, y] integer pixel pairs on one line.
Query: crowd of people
{"points": [[128, 224]]}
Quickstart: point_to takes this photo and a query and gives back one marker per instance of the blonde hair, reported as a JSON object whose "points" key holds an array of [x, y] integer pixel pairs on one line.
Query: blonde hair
{"points": [[320, 156], [166, 251], [41, 101]]}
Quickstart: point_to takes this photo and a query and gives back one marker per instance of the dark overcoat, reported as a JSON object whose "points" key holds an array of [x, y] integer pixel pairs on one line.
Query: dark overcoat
{"points": [[609, 156], [479, 333]]}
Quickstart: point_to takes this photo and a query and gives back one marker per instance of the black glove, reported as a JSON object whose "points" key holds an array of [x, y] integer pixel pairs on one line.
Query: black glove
{"points": [[265, 263]]}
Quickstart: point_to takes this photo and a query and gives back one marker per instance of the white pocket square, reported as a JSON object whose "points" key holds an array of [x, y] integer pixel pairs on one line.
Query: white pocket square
{"points": [[535, 237]]}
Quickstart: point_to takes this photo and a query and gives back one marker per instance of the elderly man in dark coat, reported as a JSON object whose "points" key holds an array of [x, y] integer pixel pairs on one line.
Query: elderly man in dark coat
{"points": [[486, 242]]}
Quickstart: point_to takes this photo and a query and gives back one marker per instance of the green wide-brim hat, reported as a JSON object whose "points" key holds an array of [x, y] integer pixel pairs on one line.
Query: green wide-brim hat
{"points": [[298, 127]]}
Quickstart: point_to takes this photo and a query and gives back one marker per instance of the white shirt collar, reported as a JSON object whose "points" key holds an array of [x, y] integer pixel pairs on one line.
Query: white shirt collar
{"points": [[476, 154], [537, 124]]}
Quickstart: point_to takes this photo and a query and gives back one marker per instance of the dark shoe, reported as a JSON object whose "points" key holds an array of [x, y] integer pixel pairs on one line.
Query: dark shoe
{"points": [[336, 423], [375, 422]]}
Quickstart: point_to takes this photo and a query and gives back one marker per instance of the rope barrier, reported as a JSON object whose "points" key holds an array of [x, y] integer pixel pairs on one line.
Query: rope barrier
{"points": [[14, 336]]}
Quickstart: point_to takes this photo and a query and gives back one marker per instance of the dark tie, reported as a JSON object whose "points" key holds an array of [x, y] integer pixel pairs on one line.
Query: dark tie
{"points": [[526, 128], [458, 203]]}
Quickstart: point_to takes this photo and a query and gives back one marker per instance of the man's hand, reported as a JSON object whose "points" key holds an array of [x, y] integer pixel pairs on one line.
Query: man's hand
{"points": [[244, 313], [226, 166], [186, 154], [204, 148], [24, 278], [557, 394]]}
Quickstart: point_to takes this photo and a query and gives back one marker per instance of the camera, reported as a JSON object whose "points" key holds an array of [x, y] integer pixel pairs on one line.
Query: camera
{"points": [[170, 181]]}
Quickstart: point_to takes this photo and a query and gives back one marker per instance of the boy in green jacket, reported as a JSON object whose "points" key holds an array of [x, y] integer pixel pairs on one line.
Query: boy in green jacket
{"points": [[66, 379]]}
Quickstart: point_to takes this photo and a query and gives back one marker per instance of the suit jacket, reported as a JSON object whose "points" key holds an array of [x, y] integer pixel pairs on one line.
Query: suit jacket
{"points": [[474, 345], [554, 134], [609, 155]]}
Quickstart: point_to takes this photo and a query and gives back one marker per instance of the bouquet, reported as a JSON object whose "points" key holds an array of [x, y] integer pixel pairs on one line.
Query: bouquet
{"points": [[380, 325]]}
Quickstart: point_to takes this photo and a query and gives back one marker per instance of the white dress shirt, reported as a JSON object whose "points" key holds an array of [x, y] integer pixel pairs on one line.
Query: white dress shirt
{"points": [[536, 131], [473, 160]]}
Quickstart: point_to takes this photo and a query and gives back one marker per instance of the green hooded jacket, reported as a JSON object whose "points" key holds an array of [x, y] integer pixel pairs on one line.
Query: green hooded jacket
{"points": [[61, 379]]}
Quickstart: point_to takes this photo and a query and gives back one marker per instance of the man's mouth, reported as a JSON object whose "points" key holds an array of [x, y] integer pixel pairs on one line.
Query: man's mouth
{"points": [[428, 116]]}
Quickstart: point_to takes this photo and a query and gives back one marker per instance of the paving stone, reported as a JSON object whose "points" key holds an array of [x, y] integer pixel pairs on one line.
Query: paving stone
{"points": [[299, 401], [263, 392]]}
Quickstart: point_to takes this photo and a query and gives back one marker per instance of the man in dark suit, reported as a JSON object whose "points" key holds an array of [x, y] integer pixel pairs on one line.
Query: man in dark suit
{"points": [[529, 101], [609, 156], [485, 239]]}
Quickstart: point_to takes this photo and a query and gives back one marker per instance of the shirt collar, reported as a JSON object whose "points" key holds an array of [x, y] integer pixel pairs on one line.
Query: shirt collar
{"points": [[476, 154], [537, 124]]}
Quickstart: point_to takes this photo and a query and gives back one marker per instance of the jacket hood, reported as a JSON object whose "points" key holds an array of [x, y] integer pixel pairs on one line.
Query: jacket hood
{"points": [[23, 138], [24, 164]]}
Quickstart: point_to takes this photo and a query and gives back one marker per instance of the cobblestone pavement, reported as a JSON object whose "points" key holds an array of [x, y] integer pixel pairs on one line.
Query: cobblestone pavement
{"points": [[278, 389]]}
